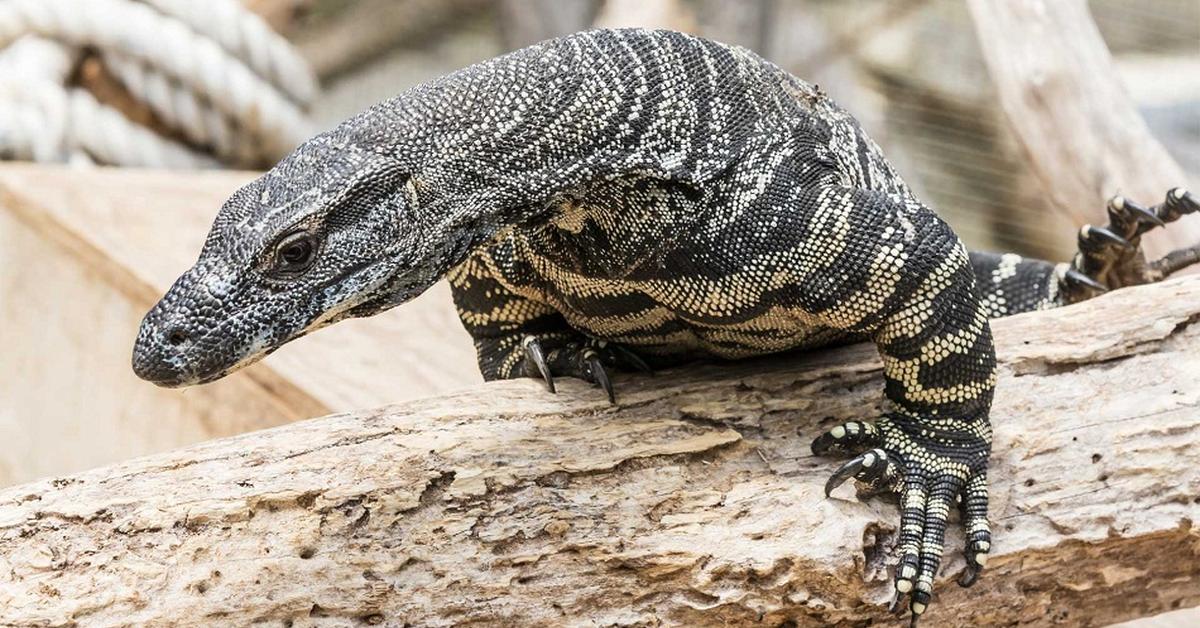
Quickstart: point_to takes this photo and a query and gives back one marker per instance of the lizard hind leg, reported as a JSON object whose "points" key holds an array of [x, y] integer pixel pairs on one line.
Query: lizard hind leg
{"points": [[1110, 257]]}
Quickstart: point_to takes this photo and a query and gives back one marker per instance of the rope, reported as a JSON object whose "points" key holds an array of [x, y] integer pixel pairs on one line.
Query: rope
{"points": [[179, 107], [30, 123], [33, 123], [245, 36], [50, 123], [211, 71], [111, 138]]}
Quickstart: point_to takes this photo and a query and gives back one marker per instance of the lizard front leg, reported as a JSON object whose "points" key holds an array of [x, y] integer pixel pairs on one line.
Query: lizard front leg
{"points": [[516, 336], [1109, 257], [901, 276]]}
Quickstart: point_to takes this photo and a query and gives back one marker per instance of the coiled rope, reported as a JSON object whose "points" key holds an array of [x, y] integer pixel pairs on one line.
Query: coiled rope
{"points": [[230, 89]]}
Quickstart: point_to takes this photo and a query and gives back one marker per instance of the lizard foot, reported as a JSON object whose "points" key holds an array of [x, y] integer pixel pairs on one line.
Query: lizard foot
{"points": [[1110, 257], [930, 470], [547, 357]]}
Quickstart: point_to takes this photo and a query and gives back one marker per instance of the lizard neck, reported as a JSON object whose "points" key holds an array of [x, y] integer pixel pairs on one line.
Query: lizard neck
{"points": [[441, 246], [453, 235]]}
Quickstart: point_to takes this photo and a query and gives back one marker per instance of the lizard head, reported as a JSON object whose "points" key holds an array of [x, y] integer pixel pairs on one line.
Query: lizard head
{"points": [[328, 233]]}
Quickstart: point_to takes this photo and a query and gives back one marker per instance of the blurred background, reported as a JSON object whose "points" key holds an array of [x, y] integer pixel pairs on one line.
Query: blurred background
{"points": [[192, 98], [911, 70]]}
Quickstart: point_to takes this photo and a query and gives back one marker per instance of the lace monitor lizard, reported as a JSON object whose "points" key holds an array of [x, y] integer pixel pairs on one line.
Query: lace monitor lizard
{"points": [[637, 199]]}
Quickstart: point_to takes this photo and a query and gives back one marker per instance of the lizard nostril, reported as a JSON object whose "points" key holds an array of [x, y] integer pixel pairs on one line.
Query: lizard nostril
{"points": [[176, 337]]}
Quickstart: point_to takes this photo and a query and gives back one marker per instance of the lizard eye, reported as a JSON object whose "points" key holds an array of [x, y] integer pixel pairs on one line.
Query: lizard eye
{"points": [[295, 253]]}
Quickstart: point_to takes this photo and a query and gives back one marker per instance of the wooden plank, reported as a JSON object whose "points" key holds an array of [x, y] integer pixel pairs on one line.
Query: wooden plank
{"points": [[695, 502], [83, 255]]}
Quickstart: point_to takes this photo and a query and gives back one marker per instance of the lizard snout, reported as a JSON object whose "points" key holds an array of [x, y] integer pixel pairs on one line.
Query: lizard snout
{"points": [[207, 326], [158, 354]]}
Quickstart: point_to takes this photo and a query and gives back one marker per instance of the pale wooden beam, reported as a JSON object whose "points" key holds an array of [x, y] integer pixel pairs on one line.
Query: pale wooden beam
{"points": [[85, 253]]}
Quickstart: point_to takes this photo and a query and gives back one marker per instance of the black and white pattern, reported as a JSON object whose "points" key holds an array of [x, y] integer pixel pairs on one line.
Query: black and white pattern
{"points": [[637, 199]]}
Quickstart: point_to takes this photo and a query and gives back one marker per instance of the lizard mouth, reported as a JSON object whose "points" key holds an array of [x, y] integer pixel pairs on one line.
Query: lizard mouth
{"points": [[182, 346], [168, 355], [173, 373], [174, 349]]}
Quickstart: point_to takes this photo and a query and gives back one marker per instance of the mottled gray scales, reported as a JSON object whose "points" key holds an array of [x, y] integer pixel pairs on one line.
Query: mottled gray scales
{"points": [[633, 199]]}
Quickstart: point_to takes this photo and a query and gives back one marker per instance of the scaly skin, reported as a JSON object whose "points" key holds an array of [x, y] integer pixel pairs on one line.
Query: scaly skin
{"points": [[634, 199]]}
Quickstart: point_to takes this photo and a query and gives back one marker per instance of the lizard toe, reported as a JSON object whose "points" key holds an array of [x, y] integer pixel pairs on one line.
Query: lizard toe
{"points": [[874, 469], [593, 369], [848, 438], [1111, 256], [548, 356], [537, 357]]}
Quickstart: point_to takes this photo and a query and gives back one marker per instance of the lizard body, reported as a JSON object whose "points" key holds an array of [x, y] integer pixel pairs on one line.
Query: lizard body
{"points": [[632, 198]]}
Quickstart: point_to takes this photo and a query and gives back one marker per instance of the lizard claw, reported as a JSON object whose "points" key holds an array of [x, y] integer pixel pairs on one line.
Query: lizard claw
{"points": [[874, 468], [1111, 257], [1122, 211], [843, 473], [1179, 201], [969, 575], [595, 368], [895, 606], [533, 351], [632, 359], [565, 355], [1092, 238], [1077, 278]]}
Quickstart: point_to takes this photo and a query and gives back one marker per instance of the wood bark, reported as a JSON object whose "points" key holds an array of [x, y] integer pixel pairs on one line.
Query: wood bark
{"points": [[1082, 133], [694, 501]]}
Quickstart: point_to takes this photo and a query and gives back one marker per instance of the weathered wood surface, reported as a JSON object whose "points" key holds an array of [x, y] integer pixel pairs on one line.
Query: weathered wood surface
{"points": [[695, 502], [84, 254], [1081, 131]]}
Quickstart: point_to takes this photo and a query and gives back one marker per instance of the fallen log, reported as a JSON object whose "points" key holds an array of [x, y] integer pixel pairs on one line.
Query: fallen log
{"points": [[693, 502]]}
